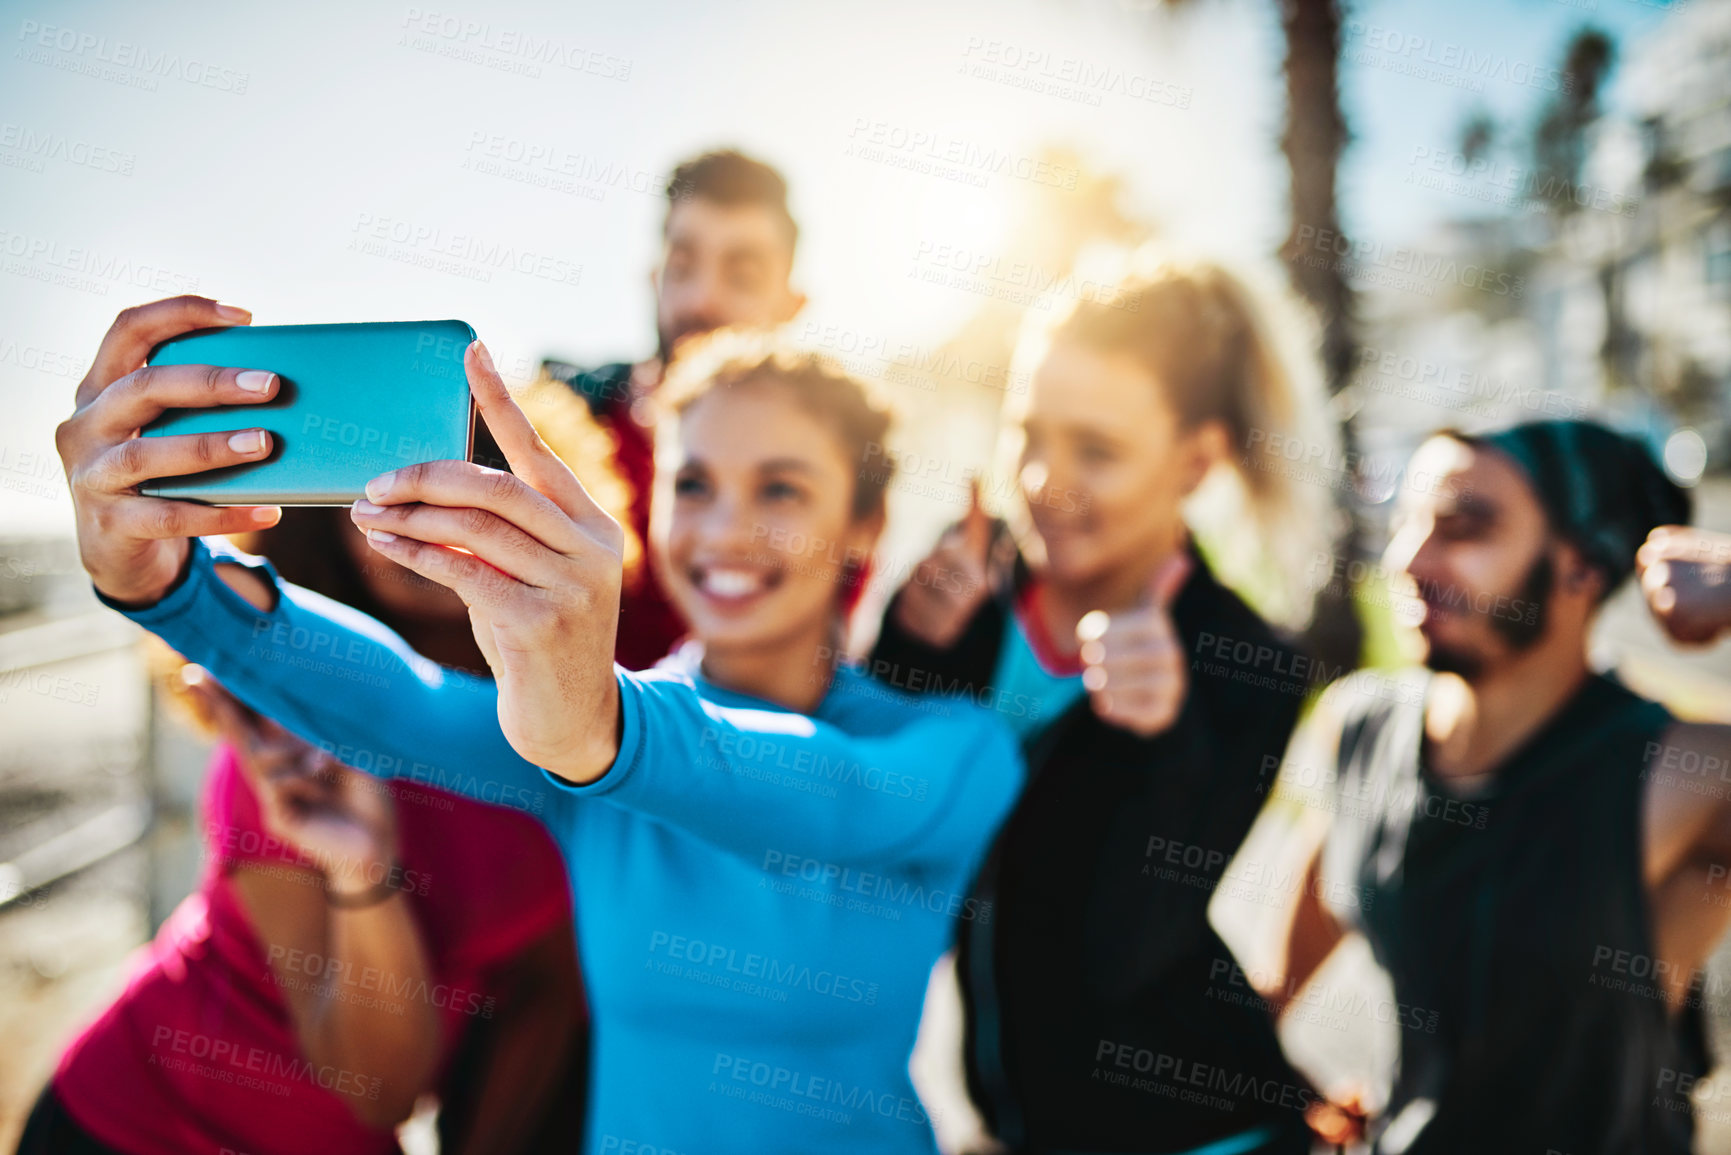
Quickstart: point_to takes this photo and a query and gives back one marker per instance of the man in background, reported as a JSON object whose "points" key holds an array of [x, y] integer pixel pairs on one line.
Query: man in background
{"points": [[726, 259], [1547, 851]]}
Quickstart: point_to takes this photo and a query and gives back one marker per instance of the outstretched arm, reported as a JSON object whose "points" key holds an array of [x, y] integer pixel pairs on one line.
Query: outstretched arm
{"points": [[763, 782], [757, 782], [538, 564], [340, 679]]}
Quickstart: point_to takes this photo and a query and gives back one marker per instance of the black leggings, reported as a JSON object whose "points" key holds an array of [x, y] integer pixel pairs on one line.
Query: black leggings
{"points": [[51, 1131]]}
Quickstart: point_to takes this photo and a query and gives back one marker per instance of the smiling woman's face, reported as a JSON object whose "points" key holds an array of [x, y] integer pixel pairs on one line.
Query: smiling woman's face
{"points": [[753, 528], [1104, 464]]}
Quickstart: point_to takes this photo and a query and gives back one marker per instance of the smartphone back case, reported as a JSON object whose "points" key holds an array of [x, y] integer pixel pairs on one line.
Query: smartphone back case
{"points": [[354, 401]]}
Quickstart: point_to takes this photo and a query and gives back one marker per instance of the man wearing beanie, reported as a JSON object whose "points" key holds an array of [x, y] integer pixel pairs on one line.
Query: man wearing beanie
{"points": [[1545, 857]]}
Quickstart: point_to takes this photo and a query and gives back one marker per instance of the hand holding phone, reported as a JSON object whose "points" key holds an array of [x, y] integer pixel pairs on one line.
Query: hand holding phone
{"points": [[538, 563], [153, 421], [132, 545]]}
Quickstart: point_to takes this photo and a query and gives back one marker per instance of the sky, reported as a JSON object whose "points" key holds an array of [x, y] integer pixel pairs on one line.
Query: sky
{"points": [[375, 161]]}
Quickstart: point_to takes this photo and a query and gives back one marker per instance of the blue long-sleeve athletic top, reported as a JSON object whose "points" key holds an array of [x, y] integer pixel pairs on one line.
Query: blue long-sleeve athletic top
{"points": [[760, 894]]}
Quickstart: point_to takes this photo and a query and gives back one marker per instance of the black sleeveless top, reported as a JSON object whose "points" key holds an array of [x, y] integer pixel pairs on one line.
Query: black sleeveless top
{"points": [[1102, 1011], [1515, 927]]}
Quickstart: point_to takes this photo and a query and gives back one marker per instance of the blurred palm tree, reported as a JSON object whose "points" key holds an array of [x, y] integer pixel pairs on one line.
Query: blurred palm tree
{"points": [[1561, 138], [1312, 140], [1313, 137]]}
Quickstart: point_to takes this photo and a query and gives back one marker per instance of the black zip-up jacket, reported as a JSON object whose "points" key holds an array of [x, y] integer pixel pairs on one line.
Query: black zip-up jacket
{"points": [[1103, 1013]]}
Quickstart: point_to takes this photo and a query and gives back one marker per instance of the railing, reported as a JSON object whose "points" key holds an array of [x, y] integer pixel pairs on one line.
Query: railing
{"points": [[49, 857]]}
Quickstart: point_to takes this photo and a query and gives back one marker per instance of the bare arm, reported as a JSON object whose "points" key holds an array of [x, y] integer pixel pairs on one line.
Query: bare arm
{"points": [[1311, 931], [333, 916], [1685, 576], [1311, 935], [1686, 845], [375, 1051]]}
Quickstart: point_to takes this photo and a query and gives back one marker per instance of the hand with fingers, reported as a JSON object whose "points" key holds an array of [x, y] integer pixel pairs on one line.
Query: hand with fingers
{"points": [[1133, 662], [537, 562], [134, 546], [1686, 578], [951, 582], [1341, 1118], [340, 820], [539, 565]]}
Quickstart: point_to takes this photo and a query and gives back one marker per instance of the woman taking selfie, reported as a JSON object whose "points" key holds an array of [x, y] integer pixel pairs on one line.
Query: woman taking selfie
{"points": [[1099, 994], [731, 1008]]}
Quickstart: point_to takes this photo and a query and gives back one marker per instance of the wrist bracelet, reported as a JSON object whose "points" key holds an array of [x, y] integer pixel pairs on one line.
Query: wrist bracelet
{"points": [[371, 896]]}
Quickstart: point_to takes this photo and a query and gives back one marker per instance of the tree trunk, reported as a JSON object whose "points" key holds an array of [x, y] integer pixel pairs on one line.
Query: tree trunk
{"points": [[1313, 140]]}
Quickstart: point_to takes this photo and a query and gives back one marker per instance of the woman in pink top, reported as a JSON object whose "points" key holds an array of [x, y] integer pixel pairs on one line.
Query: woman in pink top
{"points": [[329, 963]]}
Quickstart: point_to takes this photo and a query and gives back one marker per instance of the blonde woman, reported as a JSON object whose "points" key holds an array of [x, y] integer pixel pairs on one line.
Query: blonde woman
{"points": [[1103, 1011]]}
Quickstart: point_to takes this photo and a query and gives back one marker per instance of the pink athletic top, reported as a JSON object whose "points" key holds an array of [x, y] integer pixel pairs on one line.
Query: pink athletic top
{"points": [[199, 1053]]}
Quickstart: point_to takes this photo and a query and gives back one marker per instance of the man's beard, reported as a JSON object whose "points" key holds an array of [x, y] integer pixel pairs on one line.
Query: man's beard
{"points": [[1521, 631]]}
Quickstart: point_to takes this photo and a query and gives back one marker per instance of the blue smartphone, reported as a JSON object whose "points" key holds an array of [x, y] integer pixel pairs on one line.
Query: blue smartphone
{"points": [[353, 401]]}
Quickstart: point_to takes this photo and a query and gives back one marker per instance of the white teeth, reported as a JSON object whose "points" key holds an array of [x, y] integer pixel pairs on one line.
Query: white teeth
{"points": [[731, 583]]}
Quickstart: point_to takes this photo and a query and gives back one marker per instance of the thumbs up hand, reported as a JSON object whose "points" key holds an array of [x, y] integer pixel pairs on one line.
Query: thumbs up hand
{"points": [[1133, 661], [949, 585]]}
